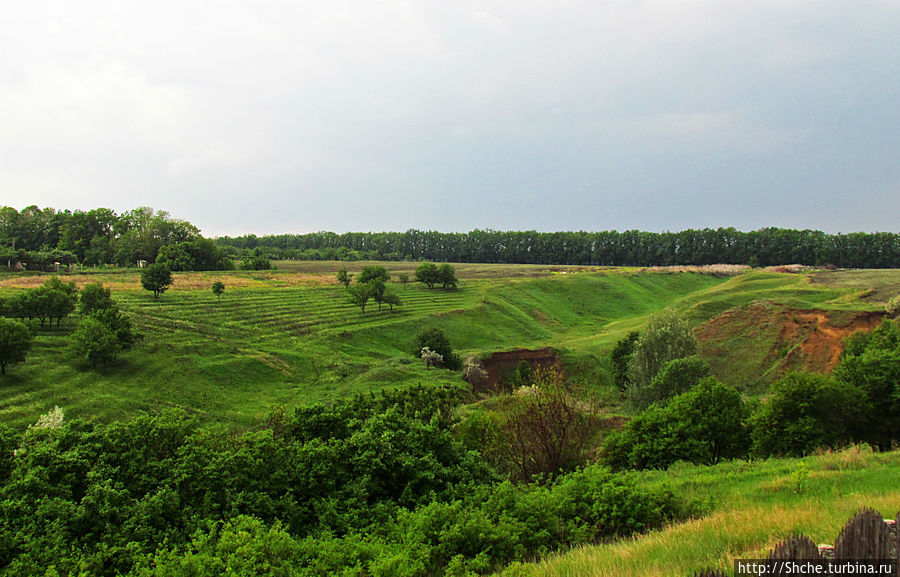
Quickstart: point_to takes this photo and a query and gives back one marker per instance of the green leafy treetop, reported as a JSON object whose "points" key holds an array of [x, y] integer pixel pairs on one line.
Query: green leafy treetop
{"points": [[427, 274], [95, 297], [15, 342], [94, 341], [447, 276], [344, 277], [218, 288], [373, 273], [156, 278]]}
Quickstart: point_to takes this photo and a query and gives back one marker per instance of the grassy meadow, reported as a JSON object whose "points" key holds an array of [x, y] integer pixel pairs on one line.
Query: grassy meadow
{"points": [[289, 337], [751, 507]]}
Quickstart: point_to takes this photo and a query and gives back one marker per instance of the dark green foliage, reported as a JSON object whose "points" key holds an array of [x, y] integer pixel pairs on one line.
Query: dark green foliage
{"points": [[359, 294], [15, 342], [257, 261], [621, 356], [446, 276], [53, 300], [218, 289], [373, 273], [156, 278], [665, 338], [871, 362], [391, 299], [196, 254], [95, 297], [373, 485], [435, 339], [98, 236], [97, 303], [764, 247], [703, 426], [344, 277], [427, 274], [119, 324], [676, 377], [523, 374], [94, 341], [804, 412]]}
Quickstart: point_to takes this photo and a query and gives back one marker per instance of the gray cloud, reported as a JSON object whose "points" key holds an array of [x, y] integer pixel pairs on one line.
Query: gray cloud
{"points": [[289, 117]]}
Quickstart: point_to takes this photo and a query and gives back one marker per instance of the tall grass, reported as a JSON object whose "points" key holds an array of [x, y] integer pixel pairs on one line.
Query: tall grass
{"points": [[752, 507]]}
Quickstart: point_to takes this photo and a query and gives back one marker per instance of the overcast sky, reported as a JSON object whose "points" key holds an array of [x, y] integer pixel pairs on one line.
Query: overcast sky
{"points": [[296, 116]]}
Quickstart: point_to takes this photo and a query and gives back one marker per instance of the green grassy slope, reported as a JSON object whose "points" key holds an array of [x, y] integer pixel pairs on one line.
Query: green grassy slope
{"points": [[752, 506], [289, 337]]}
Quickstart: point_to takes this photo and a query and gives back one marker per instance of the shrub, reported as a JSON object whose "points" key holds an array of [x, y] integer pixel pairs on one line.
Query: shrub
{"points": [[676, 377], [702, 426], [15, 342], [621, 356], [666, 338], [805, 412], [436, 341], [871, 362], [95, 297], [546, 429], [893, 306]]}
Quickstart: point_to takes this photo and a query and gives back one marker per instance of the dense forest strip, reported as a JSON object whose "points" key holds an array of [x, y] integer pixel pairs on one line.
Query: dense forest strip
{"points": [[43, 237], [764, 247]]}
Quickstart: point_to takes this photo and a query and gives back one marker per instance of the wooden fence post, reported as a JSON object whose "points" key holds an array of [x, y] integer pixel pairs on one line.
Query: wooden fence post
{"points": [[865, 537], [794, 548]]}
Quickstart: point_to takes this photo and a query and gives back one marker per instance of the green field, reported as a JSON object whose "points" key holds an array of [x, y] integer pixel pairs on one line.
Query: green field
{"points": [[289, 337]]}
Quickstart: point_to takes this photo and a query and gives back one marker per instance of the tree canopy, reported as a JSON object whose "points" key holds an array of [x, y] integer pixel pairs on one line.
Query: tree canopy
{"points": [[15, 342], [156, 278]]}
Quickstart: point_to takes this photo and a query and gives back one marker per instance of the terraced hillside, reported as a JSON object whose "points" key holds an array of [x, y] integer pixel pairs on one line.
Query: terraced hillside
{"points": [[290, 337]]}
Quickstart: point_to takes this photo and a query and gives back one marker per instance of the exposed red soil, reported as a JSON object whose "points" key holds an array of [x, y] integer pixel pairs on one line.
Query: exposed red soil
{"points": [[822, 348], [765, 338], [500, 364]]}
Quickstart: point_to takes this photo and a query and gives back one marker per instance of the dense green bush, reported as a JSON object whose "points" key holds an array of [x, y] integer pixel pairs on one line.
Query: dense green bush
{"points": [[435, 339], [871, 362], [621, 356], [703, 426], [807, 411], [665, 338], [375, 485], [676, 376]]}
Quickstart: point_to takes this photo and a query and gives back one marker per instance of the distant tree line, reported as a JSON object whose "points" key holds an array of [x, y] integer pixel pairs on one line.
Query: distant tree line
{"points": [[38, 238], [764, 247], [42, 237]]}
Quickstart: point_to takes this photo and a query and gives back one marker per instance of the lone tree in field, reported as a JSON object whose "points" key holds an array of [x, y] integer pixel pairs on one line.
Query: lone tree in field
{"points": [[404, 279], [218, 289], [427, 274], [156, 278], [344, 277], [435, 340], [15, 342]]}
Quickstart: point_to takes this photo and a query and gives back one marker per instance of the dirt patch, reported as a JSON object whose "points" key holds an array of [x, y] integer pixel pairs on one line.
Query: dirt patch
{"points": [[501, 366], [757, 343], [821, 350]]}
